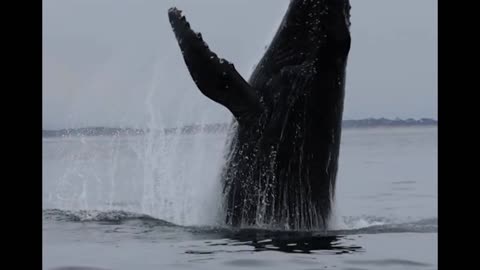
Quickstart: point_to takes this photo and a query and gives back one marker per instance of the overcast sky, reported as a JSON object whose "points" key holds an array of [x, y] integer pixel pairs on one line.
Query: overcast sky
{"points": [[117, 63]]}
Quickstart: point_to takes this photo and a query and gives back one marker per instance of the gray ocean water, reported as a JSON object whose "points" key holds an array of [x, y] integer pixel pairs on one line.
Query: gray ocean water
{"points": [[152, 202]]}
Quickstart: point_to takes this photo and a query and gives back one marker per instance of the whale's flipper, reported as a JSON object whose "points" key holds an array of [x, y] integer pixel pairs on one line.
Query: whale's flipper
{"points": [[216, 78]]}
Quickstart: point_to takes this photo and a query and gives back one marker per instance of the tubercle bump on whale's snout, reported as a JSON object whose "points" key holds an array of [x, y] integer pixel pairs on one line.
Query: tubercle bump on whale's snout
{"points": [[173, 12], [180, 25], [176, 18]]}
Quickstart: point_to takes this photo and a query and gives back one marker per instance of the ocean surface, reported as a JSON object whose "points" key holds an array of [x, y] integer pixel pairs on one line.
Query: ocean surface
{"points": [[152, 202]]}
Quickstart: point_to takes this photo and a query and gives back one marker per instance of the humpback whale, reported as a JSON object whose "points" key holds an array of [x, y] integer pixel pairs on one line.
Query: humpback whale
{"points": [[283, 155]]}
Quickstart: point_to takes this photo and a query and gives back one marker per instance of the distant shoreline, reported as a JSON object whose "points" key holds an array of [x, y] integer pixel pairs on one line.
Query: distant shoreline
{"points": [[223, 127]]}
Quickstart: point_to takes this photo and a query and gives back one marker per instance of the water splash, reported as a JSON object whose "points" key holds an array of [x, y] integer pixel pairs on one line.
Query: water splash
{"points": [[170, 176]]}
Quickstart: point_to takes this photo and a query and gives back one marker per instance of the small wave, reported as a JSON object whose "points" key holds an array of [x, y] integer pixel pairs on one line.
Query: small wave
{"points": [[371, 226], [113, 216], [353, 223], [374, 223], [429, 225], [350, 226]]}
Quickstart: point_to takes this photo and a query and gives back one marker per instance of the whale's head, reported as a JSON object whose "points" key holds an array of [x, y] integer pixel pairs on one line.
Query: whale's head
{"points": [[311, 24]]}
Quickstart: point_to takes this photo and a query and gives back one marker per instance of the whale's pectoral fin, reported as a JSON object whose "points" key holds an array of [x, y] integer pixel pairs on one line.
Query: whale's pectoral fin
{"points": [[216, 78]]}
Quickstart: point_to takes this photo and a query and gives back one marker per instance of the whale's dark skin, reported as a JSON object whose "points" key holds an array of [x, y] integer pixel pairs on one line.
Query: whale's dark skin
{"points": [[283, 157]]}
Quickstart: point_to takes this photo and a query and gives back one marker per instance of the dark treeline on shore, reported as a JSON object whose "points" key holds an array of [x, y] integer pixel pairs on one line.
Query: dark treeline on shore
{"points": [[223, 127]]}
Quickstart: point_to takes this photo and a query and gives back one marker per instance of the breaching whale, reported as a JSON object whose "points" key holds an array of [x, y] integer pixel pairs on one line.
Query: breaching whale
{"points": [[283, 157]]}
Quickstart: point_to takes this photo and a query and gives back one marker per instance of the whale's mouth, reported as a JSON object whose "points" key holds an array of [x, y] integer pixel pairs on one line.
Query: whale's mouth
{"points": [[185, 34], [181, 28], [177, 20], [188, 38]]}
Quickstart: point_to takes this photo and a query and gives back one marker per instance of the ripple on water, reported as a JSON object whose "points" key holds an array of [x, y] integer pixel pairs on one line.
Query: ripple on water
{"points": [[388, 262]]}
